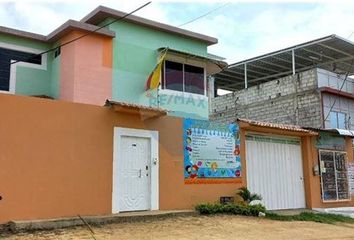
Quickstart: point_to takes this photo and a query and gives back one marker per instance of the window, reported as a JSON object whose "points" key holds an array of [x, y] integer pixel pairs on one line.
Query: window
{"points": [[337, 120], [183, 78], [334, 176], [173, 76], [6, 56]]}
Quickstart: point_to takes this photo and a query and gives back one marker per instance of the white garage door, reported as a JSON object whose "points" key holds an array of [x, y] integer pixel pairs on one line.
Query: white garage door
{"points": [[274, 170]]}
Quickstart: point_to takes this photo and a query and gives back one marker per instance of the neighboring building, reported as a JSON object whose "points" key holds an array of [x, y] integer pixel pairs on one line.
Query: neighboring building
{"points": [[302, 85], [112, 63]]}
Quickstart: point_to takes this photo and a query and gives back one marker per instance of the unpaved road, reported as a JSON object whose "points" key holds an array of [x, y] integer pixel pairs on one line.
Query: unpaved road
{"points": [[201, 227]]}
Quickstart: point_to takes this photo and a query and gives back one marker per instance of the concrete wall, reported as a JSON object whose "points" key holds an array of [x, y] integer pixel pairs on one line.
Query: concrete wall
{"points": [[56, 160], [290, 100]]}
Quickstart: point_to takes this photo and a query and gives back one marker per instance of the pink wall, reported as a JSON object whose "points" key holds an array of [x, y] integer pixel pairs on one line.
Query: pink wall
{"points": [[86, 69]]}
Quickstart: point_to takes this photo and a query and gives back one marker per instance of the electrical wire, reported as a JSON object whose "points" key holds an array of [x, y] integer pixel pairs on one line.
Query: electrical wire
{"points": [[84, 35], [205, 14]]}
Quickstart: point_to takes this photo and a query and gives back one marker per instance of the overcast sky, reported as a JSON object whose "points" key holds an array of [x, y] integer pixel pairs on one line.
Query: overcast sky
{"points": [[244, 29]]}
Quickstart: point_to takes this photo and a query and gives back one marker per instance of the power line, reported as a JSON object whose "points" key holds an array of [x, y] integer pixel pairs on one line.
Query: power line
{"points": [[205, 14], [84, 35]]}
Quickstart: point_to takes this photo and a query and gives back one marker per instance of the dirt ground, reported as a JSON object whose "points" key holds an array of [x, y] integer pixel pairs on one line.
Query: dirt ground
{"points": [[201, 227]]}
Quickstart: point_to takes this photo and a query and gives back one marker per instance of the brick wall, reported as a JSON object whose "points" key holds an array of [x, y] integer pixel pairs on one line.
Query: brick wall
{"points": [[288, 100]]}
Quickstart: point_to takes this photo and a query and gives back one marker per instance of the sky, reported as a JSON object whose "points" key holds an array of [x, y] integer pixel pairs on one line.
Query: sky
{"points": [[244, 29]]}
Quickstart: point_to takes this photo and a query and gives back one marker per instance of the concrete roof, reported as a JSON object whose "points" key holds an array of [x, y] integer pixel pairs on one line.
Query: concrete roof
{"points": [[57, 33], [75, 25], [101, 13], [22, 34]]}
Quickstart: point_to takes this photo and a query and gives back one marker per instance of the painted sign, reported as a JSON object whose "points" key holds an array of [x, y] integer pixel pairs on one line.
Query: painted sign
{"points": [[211, 152], [351, 178]]}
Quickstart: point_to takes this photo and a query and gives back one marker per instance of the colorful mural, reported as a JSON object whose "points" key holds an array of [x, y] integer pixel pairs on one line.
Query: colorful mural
{"points": [[211, 152]]}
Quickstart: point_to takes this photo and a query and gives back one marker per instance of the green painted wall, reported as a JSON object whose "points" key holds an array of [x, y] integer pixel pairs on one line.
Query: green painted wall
{"points": [[135, 56], [31, 81], [55, 78]]}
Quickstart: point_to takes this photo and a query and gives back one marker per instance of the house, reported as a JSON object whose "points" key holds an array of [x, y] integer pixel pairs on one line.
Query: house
{"points": [[112, 62], [60, 159], [303, 85]]}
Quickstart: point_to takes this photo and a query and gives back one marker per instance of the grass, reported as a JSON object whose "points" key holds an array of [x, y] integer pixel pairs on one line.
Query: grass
{"points": [[312, 217]]}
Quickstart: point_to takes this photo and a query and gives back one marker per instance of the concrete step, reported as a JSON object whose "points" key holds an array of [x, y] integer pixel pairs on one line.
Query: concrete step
{"points": [[49, 224]]}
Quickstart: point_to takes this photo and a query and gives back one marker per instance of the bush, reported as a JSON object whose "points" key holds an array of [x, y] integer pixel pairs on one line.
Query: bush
{"points": [[230, 208], [247, 196]]}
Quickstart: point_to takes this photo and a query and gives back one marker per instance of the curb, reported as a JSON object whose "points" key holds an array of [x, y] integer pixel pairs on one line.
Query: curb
{"points": [[50, 224]]}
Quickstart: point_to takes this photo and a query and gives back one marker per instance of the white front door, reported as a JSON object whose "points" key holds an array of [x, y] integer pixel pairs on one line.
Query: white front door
{"points": [[274, 170], [134, 169]]}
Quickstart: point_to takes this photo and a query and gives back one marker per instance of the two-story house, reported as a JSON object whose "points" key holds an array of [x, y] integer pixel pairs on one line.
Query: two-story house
{"points": [[111, 63]]}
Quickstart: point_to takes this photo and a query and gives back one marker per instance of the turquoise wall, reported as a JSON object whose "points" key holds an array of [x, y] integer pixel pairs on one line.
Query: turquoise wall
{"points": [[31, 81], [55, 78], [135, 56]]}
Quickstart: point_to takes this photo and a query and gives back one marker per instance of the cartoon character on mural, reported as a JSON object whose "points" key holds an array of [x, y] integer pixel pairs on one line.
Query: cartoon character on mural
{"points": [[192, 171], [214, 166], [188, 144], [237, 150]]}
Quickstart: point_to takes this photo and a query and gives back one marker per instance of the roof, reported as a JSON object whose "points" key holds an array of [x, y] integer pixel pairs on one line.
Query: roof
{"points": [[75, 25], [341, 132], [23, 34], [57, 33], [294, 128], [131, 108], [332, 53], [101, 13]]}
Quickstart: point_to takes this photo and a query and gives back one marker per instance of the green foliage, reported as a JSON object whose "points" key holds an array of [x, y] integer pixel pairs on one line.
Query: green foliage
{"points": [[230, 208], [247, 196], [310, 216]]}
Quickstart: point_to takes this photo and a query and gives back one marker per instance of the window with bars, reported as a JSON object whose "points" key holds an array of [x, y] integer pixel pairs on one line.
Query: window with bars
{"points": [[334, 175]]}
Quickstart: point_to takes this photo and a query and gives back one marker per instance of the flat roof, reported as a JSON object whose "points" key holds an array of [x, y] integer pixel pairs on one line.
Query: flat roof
{"points": [[332, 53], [101, 13], [57, 33]]}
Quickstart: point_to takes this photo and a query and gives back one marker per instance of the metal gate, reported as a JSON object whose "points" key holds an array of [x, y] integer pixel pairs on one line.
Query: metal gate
{"points": [[274, 170]]}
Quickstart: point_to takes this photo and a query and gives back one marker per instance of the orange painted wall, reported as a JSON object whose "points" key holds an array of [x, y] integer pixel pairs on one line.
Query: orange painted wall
{"points": [[86, 69], [312, 183], [56, 160], [315, 181]]}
